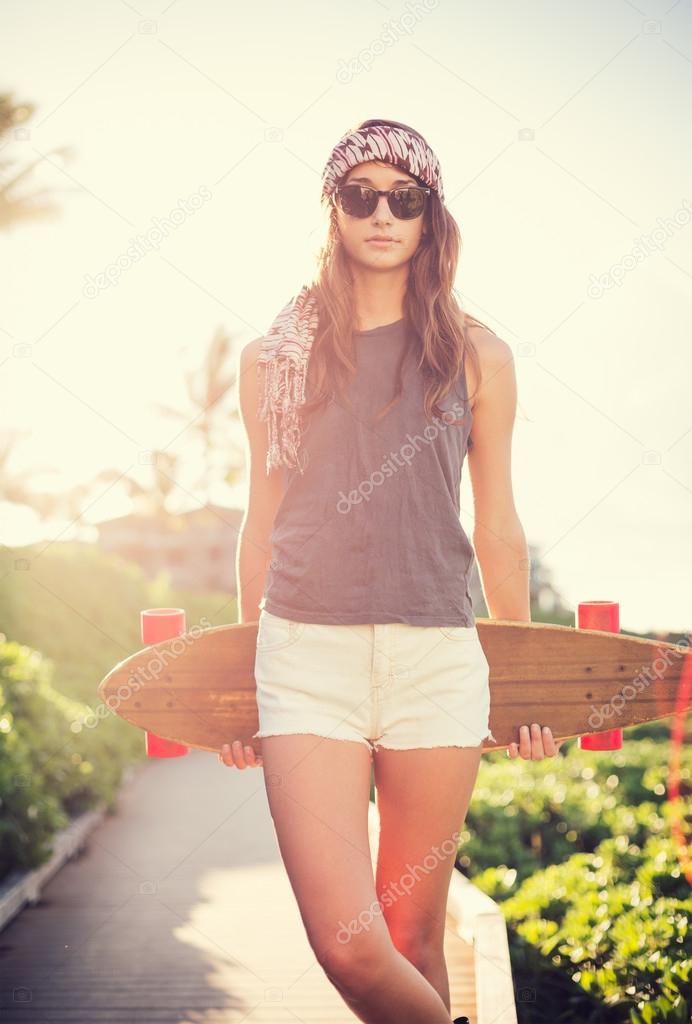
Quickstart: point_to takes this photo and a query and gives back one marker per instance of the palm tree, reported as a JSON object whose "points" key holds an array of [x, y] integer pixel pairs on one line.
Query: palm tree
{"points": [[207, 418], [17, 203], [148, 499]]}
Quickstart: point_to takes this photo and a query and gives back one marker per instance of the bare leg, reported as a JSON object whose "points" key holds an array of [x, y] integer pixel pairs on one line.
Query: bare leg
{"points": [[422, 798], [318, 791]]}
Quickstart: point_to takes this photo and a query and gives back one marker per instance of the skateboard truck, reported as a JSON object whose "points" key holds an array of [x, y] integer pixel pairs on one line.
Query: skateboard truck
{"points": [[604, 615], [162, 624]]}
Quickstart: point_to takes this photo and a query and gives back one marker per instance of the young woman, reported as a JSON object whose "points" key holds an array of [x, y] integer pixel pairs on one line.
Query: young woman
{"points": [[353, 557]]}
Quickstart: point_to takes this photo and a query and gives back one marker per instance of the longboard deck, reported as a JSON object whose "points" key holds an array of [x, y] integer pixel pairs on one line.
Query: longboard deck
{"points": [[199, 688]]}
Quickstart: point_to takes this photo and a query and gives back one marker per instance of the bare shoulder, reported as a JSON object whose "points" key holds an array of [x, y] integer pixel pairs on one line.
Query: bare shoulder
{"points": [[494, 354], [248, 389], [250, 351], [266, 489], [247, 370]]}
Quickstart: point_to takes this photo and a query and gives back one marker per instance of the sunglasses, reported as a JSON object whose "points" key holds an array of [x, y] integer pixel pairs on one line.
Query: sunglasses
{"points": [[406, 203]]}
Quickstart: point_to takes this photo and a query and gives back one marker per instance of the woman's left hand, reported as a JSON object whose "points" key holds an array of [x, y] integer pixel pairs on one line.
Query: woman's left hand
{"points": [[535, 744]]}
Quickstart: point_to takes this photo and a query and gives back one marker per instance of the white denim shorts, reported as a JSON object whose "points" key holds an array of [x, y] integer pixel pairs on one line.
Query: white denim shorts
{"points": [[393, 684]]}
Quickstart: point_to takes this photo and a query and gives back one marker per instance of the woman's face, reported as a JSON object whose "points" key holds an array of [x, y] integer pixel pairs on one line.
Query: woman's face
{"points": [[355, 232]]}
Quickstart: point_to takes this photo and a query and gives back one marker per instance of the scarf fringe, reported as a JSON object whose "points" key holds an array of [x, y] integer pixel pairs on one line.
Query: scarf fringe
{"points": [[282, 373], [282, 392]]}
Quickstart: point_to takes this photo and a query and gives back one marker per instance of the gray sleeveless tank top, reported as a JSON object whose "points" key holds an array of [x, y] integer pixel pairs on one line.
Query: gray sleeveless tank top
{"points": [[370, 532]]}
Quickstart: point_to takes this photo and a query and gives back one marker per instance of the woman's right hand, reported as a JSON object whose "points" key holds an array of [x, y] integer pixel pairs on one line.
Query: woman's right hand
{"points": [[234, 755]]}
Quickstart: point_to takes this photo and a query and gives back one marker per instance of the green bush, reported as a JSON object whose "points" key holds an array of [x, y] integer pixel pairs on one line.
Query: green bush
{"points": [[528, 814], [36, 770], [617, 921], [72, 612], [28, 816], [599, 935]]}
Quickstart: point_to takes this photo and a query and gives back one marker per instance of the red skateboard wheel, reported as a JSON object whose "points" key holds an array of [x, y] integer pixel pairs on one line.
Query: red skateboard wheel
{"points": [[162, 624], [603, 615]]}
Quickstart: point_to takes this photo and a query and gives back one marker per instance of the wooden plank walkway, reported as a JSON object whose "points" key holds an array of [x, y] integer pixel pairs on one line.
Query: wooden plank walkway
{"points": [[179, 911]]}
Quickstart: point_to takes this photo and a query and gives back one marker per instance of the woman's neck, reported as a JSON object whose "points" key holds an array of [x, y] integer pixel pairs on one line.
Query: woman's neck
{"points": [[379, 299]]}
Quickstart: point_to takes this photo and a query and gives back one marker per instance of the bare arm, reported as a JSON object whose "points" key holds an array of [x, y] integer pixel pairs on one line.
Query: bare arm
{"points": [[498, 537], [254, 542], [264, 495]]}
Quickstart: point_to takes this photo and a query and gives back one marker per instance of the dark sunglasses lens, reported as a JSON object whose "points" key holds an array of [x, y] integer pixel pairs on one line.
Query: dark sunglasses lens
{"points": [[407, 203], [356, 201]]}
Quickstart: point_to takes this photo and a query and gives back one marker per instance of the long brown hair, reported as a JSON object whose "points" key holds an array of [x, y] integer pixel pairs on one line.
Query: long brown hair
{"points": [[430, 307]]}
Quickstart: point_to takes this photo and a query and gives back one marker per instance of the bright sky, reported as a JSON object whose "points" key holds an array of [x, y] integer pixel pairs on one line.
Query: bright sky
{"points": [[563, 135]]}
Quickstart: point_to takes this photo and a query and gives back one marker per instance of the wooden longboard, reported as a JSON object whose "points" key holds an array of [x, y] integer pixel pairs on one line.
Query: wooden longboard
{"points": [[199, 688]]}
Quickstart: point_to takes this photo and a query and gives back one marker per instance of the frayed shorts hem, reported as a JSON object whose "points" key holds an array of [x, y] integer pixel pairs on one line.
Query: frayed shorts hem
{"points": [[373, 745], [305, 731], [418, 745]]}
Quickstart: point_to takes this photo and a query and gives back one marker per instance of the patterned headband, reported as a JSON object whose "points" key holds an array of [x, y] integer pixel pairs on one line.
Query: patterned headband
{"points": [[381, 141], [285, 350]]}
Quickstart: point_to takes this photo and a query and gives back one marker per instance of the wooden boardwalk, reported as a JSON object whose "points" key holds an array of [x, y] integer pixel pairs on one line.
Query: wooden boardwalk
{"points": [[180, 912]]}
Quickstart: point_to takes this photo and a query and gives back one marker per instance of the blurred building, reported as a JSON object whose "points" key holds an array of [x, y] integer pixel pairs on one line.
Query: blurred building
{"points": [[197, 548]]}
